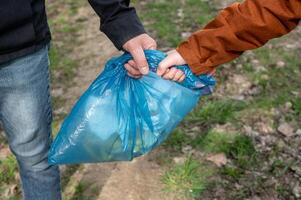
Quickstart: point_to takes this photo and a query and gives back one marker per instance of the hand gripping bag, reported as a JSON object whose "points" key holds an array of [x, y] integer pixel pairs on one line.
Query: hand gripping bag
{"points": [[119, 118]]}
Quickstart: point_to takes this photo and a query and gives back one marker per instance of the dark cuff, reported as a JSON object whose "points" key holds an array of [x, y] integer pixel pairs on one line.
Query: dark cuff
{"points": [[123, 28]]}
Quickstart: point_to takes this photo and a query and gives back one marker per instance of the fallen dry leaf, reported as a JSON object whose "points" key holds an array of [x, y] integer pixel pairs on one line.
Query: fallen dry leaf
{"points": [[218, 159]]}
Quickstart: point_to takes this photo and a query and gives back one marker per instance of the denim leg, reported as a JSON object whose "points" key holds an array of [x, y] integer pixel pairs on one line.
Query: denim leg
{"points": [[25, 111]]}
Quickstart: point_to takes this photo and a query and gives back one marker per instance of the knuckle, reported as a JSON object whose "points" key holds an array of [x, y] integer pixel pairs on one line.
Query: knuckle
{"points": [[161, 67]]}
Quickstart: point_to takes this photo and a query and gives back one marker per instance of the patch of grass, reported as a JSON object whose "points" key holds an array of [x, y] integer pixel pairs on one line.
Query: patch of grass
{"points": [[14, 198], [79, 192], [70, 7], [264, 54], [278, 83], [163, 21], [215, 142], [283, 190], [55, 127], [60, 62], [296, 106], [194, 18], [62, 24], [261, 102], [57, 102], [70, 170], [236, 146], [3, 140], [242, 151], [8, 168], [232, 171], [277, 89], [187, 180], [177, 140], [213, 112], [74, 5], [279, 167], [54, 58], [169, 18]]}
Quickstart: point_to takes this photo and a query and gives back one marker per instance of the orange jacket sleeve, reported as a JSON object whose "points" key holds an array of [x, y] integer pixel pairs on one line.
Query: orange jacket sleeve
{"points": [[238, 28]]}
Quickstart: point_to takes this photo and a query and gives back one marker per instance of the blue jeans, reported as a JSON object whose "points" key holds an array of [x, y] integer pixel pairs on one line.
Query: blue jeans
{"points": [[25, 112]]}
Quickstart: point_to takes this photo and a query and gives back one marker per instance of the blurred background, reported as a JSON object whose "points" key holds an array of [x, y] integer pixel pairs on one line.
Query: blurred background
{"points": [[242, 142]]}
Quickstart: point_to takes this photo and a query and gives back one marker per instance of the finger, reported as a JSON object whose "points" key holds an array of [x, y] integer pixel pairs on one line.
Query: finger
{"points": [[165, 64], [166, 72], [212, 72], [133, 64], [132, 70], [134, 76], [182, 78], [178, 75], [140, 60], [170, 52], [170, 74], [151, 46]]}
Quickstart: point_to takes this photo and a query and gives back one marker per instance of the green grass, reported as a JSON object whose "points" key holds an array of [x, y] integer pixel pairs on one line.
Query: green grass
{"points": [[277, 84], [277, 89], [242, 150], [65, 178], [163, 21], [55, 127], [177, 140], [187, 180], [191, 178], [79, 192], [14, 198], [57, 103], [232, 172], [280, 167], [238, 147], [8, 168], [193, 16], [60, 62], [169, 18], [215, 142], [218, 111], [296, 107]]}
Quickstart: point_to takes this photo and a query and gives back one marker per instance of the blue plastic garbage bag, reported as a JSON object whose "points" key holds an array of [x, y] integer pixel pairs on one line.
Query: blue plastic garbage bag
{"points": [[119, 118]]}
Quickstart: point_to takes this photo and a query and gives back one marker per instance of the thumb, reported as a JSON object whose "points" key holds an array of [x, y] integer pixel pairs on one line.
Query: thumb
{"points": [[140, 60], [165, 64]]}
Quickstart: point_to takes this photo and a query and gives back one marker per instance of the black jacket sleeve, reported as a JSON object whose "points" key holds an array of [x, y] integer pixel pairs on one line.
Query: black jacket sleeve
{"points": [[118, 21]]}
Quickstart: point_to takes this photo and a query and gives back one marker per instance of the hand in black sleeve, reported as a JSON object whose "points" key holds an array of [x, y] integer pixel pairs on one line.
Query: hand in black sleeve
{"points": [[118, 21], [123, 27]]}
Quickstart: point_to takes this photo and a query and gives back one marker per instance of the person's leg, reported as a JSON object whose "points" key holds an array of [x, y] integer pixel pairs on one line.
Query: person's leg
{"points": [[25, 111]]}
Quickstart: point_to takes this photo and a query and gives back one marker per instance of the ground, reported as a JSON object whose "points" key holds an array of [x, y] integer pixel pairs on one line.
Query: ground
{"points": [[242, 142]]}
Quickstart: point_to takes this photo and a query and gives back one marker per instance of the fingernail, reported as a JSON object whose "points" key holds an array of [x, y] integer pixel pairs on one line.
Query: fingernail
{"points": [[144, 70]]}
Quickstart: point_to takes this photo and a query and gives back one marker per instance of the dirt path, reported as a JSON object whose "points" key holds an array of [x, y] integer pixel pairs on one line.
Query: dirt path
{"points": [[136, 180]]}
